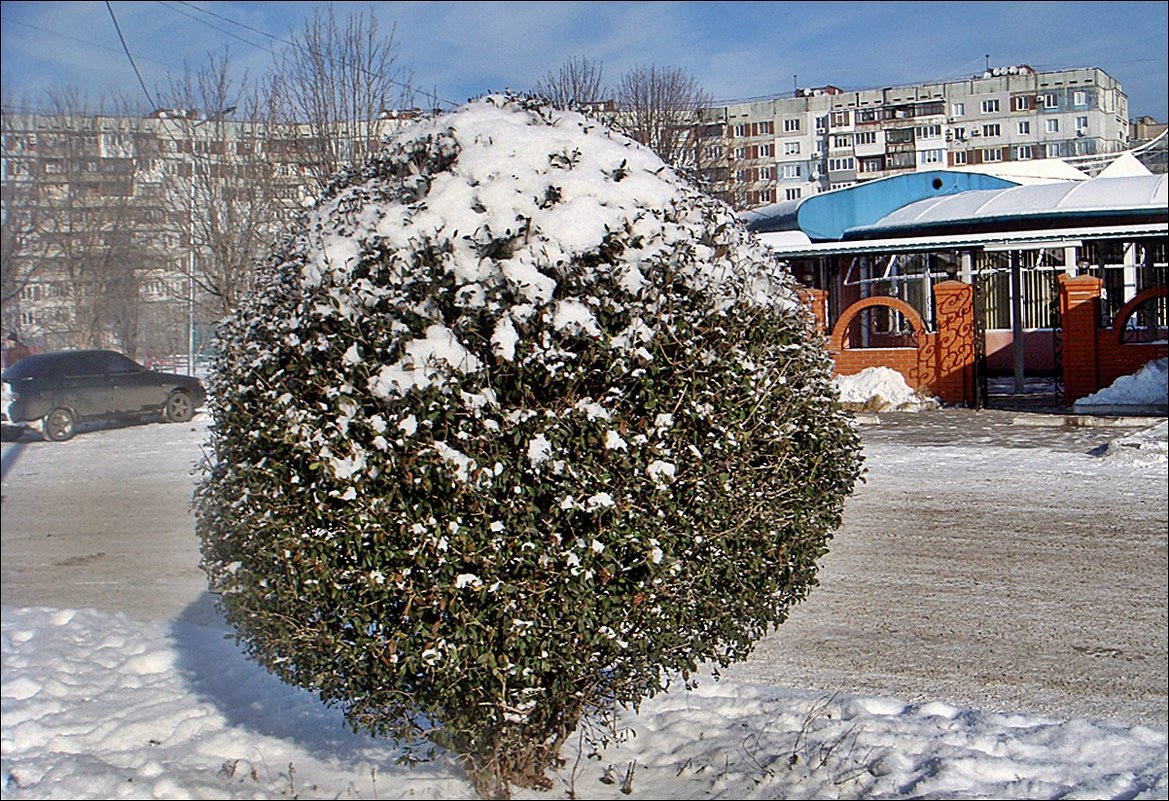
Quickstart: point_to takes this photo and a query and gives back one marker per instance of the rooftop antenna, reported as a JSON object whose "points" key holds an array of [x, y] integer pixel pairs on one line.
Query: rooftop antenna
{"points": [[988, 62], [795, 85]]}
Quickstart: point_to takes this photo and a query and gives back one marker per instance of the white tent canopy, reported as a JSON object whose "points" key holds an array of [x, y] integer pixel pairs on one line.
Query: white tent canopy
{"points": [[1030, 171], [1125, 165]]}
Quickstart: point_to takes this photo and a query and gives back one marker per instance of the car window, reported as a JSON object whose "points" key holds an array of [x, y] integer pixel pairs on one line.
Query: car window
{"points": [[117, 363], [81, 363]]}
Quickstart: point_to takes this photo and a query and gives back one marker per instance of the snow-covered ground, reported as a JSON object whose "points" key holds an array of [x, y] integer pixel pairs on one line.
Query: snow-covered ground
{"points": [[119, 681], [102, 706]]}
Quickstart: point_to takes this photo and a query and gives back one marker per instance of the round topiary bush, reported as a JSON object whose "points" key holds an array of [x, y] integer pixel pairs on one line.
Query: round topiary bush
{"points": [[520, 428]]}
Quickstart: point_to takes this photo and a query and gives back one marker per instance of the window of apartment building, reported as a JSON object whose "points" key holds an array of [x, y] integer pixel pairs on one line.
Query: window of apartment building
{"points": [[840, 164], [1079, 98], [766, 151], [872, 165], [929, 131], [1024, 127], [714, 152], [959, 156], [743, 176], [791, 124], [1048, 100], [766, 173], [761, 197], [1021, 103], [792, 170], [958, 110], [1024, 153], [866, 115], [1082, 124], [740, 130], [791, 148], [992, 154], [841, 142], [840, 119], [842, 184], [930, 156], [33, 292], [899, 136], [866, 138], [793, 194], [1052, 126], [740, 153], [960, 134], [1051, 150], [990, 106], [822, 124], [992, 129], [767, 127]]}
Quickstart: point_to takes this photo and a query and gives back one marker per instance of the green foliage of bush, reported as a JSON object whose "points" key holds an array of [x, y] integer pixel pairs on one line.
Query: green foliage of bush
{"points": [[520, 429]]}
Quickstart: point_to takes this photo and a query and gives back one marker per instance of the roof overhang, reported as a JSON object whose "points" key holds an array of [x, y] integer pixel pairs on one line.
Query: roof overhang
{"points": [[1020, 240]]}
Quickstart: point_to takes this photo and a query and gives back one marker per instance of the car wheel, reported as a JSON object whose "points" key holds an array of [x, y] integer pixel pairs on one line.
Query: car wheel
{"points": [[179, 408], [59, 425]]}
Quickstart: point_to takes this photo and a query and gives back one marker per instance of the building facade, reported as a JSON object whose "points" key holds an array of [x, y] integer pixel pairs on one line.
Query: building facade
{"points": [[133, 232], [787, 148]]}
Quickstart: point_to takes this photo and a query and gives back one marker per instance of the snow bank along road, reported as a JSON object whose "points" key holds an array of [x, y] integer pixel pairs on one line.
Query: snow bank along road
{"points": [[983, 564]]}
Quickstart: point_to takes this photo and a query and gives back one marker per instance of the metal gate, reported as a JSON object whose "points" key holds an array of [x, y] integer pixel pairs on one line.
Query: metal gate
{"points": [[981, 371]]}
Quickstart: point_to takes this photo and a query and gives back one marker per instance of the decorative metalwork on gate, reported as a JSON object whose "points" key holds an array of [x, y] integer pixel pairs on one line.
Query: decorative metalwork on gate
{"points": [[1056, 335], [981, 376]]}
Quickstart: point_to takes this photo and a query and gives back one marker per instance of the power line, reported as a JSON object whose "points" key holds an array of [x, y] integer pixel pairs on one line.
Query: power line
{"points": [[280, 40], [224, 31], [126, 47], [13, 21]]}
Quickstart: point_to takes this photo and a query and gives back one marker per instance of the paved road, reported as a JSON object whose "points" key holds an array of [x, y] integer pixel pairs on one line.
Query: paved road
{"points": [[990, 561], [983, 563]]}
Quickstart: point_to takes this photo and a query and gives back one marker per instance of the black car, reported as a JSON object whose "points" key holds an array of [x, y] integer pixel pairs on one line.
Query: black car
{"points": [[63, 389]]}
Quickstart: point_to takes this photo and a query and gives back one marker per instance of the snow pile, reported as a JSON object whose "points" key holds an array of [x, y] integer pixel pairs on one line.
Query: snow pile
{"points": [[100, 706], [1149, 386], [1147, 445], [879, 389]]}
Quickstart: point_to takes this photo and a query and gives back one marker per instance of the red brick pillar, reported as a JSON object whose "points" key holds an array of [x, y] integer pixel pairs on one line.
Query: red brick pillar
{"points": [[1079, 306], [817, 301], [955, 343]]}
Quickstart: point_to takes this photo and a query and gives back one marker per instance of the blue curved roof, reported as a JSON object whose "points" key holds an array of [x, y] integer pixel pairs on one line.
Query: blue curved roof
{"points": [[1098, 198], [826, 216], [829, 215]]}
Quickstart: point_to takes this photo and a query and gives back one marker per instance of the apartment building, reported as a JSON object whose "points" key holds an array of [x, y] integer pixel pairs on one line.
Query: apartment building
{"points": [[790, 147], [118, 229]]}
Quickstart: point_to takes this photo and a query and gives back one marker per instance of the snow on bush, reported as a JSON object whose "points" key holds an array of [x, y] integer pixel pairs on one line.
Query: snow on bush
{"points": [[876, 389], [520, 429], [1148, 386]]}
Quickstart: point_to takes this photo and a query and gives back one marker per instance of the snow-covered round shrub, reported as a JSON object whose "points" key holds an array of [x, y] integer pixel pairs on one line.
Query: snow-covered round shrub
{"points": [[520, 428]]}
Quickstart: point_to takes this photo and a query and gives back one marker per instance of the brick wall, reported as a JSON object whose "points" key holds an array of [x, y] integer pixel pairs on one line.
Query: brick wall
{"points": [[1094, 357], [941, 363]]}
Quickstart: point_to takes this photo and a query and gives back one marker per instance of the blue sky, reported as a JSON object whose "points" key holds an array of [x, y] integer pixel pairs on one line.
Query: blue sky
{"points": [[735, 49]]}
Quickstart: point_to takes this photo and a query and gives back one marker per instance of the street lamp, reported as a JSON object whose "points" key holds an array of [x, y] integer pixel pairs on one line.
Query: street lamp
{"points": [[191, 243]]}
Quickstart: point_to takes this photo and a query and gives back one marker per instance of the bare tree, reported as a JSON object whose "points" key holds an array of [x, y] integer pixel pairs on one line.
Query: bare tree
{"points": [[18, 216], [231, 205], [76, 239], [336, 84], [661, 108], [578, 83]]}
